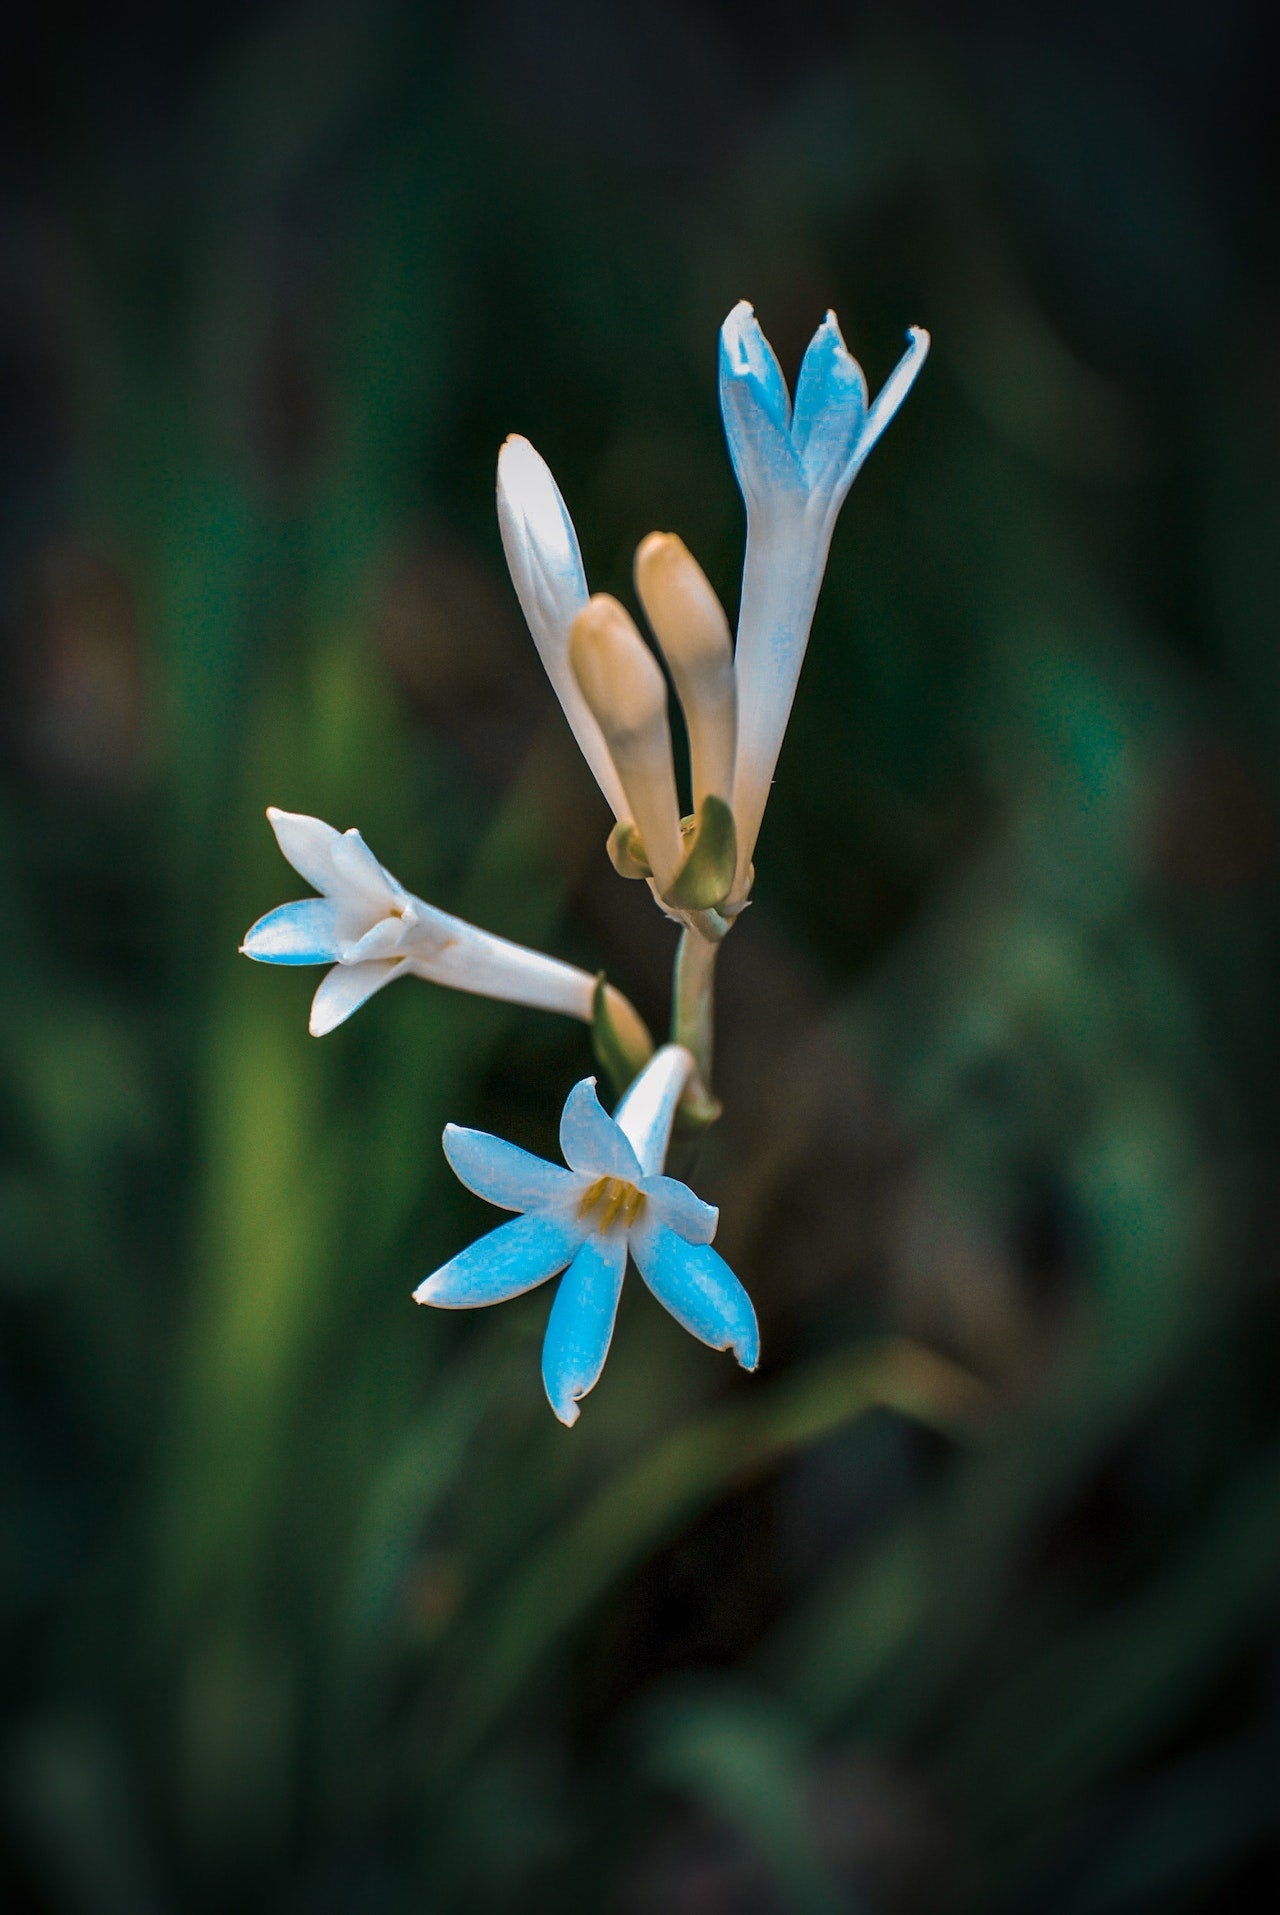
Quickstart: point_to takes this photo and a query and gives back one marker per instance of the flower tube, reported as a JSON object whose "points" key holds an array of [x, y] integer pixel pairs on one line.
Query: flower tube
{"points": [[794, 469]]}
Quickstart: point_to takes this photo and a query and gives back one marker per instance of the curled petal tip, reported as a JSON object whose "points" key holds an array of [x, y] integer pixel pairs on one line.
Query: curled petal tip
{"points": [[567, 1412]]}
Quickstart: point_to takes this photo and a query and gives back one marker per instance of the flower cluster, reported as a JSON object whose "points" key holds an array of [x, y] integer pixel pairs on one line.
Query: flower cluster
{"points": [[794, 464]]}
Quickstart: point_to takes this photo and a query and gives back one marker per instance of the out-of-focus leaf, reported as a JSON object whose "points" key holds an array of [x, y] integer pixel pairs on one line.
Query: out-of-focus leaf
{"points": [[646, 1504], [739, 1757]]}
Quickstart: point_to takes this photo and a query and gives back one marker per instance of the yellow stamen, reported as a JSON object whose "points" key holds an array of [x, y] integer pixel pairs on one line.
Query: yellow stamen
{"points": [[615, 1200]]}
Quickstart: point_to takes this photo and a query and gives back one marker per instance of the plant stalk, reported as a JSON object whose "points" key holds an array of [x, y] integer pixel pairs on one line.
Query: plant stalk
{"points": [[693, 1024]]}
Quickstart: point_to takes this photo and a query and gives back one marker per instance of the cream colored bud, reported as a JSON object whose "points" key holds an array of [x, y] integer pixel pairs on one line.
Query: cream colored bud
{"points": [[689, 624], [626, 693]]}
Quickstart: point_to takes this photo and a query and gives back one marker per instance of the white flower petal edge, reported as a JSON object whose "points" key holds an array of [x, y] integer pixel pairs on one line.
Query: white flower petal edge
{"points": [[515, 1257], [795, 471], [615, 1197], [345, 988], [505, 1175], [372, 930]]}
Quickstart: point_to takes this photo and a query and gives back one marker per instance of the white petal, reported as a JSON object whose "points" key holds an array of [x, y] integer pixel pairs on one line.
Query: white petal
{"points": [[514, 1258], [387, 938], [831, 410], [675, 1205], [592, 1143], [648, 1109], [546, 570], [346, 987], [301, 933], [308, 843], [756, 409], [358, 873], [895, 388], [580, 1328], [505, 1175]]}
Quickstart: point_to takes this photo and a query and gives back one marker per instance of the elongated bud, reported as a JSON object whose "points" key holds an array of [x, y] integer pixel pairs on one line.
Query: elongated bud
{"points": [[689, 623], [626, 693], [619, 1035], [546, 570]]}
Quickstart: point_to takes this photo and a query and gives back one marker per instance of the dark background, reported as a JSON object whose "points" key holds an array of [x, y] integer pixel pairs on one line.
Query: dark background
{"points": [[968, 1601]]}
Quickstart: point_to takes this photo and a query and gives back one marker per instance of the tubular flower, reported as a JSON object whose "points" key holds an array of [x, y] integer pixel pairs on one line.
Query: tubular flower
{"points": [[371, 930], [794, 468], [545, 563], [583, 1220]]}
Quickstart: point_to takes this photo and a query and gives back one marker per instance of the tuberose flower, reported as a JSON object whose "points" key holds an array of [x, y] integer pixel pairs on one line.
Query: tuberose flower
{"points": [[795, 468], [371, 930], [612, 1198]]}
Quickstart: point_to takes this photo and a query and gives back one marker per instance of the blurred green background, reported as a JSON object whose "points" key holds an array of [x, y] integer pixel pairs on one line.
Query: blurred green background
{"points": [[968, 1601]]}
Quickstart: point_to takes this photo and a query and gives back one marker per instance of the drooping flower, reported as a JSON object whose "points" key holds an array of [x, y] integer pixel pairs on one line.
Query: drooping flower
{"points": [[612, 1199], [371, 930], [795, 468]]}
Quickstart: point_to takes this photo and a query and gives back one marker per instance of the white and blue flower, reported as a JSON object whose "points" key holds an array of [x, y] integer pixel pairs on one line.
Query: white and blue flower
{"points": [[795, 467], [371, 930], [612, 1198]]}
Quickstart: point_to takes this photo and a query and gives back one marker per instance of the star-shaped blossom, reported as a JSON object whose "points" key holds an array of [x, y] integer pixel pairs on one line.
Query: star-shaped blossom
{"points": [[371, 930], [612, 1198]]}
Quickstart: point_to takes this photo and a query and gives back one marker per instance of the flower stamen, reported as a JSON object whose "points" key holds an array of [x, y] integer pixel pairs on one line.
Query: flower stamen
{"points": [[615, 1200]]}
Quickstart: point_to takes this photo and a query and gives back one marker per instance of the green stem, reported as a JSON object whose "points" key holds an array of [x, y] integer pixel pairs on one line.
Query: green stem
{"points": [[694, 1020]]}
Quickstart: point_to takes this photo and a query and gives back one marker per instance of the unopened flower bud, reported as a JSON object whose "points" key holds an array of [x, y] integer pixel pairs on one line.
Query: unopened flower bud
{"points": [[689, 624], [626, 693]]}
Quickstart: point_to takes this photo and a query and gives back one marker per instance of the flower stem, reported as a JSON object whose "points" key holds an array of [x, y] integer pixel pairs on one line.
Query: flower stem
{"points": [[694, 1019]]}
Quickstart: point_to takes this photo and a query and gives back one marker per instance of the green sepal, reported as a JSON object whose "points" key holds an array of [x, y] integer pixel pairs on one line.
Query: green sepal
{"points": [[626, 852], [621, 1054], [706, 876]]}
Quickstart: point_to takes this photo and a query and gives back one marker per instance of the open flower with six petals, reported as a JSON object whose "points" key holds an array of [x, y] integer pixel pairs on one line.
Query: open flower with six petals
{"points": [[612, 1199]]}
